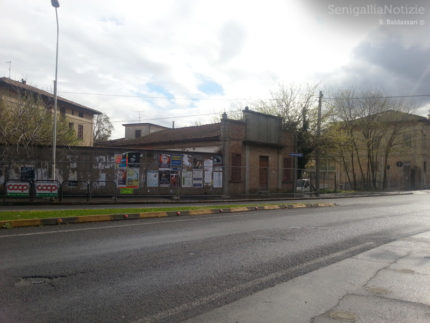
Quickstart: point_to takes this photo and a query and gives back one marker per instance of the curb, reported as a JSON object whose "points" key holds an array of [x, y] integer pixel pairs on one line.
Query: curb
{"points": [[8, 224]]}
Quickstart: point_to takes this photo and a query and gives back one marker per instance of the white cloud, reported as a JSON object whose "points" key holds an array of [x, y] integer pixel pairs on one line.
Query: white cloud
{"points": [[118, 48]]}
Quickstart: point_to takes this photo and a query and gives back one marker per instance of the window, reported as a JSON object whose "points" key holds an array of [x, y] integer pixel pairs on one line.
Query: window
{"points": [[73, 112], [236, 170], [71, 126], [287, 170], [80, 132], [137, 133], [81, 114], [63, 112]]}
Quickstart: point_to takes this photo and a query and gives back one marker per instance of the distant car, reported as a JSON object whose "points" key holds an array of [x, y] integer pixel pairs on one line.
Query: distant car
{"points": [[303, 185]]}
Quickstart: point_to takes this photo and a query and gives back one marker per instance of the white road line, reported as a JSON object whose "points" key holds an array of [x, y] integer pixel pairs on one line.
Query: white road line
{"points": [[166, 220], [210, 298]]}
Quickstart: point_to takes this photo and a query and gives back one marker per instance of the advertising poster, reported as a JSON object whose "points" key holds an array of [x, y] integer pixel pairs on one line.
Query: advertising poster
{"points": [[126, 190], [118, 158], [217, 162], [18, 189], [164, 178], [174, 179], [217, 179], [176, 162], [133, 177], [187, 178], [121, 177], [187, 162], [46, 189], [152, 178], [133, 159], [164, 162], [197, 177], [208, 167], [197, 163], [208, 177]]}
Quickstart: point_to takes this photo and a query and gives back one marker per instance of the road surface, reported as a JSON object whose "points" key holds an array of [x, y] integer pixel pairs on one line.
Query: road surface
{"points": [[173, 269]]}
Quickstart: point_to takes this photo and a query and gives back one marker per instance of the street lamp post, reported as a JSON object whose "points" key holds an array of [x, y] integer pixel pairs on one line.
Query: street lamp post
{"points": [[55, 4]]}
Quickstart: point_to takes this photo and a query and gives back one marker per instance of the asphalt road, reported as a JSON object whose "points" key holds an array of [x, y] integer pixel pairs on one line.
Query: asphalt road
{"points": [[175, 268]]}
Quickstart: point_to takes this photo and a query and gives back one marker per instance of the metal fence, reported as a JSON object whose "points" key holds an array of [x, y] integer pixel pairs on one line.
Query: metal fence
{"points": [[241, 180]]}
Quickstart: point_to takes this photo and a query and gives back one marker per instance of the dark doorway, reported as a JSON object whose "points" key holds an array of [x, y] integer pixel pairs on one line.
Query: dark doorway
{"points": [[264, 172]]}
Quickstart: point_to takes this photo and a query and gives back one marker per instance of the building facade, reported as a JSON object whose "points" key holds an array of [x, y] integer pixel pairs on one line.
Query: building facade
{"points": [[79, 117], [254, 150]]}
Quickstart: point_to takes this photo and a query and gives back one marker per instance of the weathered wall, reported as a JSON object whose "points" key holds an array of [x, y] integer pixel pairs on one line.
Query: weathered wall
{"points": [[133, 172]]}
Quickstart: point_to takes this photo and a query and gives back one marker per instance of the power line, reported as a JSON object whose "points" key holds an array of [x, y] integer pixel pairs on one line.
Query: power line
{"points": [[157, 97], [380, 97], [172, 117]]}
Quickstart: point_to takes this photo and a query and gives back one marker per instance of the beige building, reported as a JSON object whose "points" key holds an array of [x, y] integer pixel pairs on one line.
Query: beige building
{"points": [[407, 165], [79, 117], [138, 130]]}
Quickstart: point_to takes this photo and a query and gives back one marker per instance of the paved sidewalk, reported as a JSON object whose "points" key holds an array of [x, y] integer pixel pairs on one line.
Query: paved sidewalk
{"points": [[390, 283]]}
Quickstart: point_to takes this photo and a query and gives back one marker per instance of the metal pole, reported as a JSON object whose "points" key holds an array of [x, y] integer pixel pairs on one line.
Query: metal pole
{"points": [[54, 131], [317, 150]]}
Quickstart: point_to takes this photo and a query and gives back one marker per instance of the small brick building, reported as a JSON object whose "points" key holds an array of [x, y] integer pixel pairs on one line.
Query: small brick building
{"points": [[255, 150]]}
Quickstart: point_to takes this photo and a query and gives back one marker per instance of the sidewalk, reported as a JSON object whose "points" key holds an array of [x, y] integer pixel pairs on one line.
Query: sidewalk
{"points": [[390, 283]]}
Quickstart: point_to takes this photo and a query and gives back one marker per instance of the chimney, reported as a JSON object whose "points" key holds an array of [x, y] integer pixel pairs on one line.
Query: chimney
{"points": [[173, 124], [23, 81]]}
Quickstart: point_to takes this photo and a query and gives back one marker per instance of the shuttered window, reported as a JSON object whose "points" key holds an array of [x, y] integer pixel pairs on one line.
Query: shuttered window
{"points": [[236, 170]]}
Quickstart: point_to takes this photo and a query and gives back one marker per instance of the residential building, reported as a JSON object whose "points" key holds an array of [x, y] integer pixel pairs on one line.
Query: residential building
{"points": [[408, 153], [79, 117], [137, 130]]}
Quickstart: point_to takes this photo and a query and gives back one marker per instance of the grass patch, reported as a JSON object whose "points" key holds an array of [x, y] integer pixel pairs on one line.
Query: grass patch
{"points": [[44, 214]]}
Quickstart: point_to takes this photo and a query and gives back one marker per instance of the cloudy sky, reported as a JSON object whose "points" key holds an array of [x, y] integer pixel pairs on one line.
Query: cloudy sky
{"points": [[188, 61]]}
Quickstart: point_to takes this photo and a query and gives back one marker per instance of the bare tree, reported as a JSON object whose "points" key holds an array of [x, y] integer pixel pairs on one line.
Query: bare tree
{"points": [[297, 106], [102, 128], [366, 129], [26, 122]]}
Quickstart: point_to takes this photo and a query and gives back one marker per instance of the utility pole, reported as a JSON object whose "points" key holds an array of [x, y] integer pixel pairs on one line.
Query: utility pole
{"points": [[55, 4], [317, 150]]}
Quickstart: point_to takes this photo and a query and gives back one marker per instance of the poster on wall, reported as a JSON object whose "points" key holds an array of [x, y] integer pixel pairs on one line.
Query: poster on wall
{"points": [[174, 179], [18, 189], [187, 162], [197, 163], [164, 162], [208, 167], [133, 178], [121, 177], [217, 163], [47, 189], [176, 162], [197, 177], [164, 178], [217, 179], [134, 160], [187, 178], [152, 178]]}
